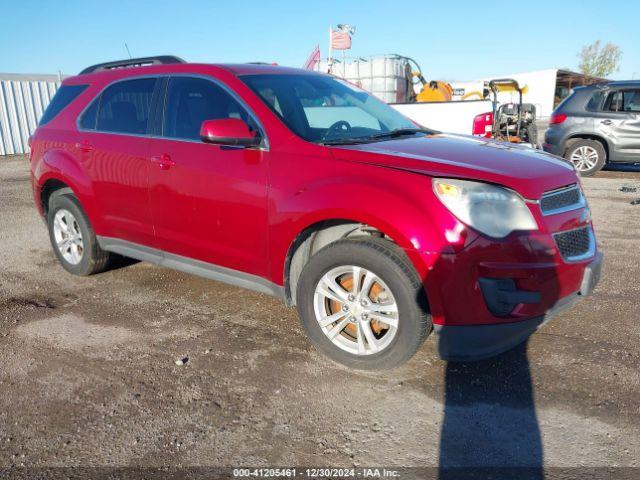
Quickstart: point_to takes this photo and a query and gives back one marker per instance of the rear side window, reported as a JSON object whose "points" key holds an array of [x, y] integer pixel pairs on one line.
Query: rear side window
{"points": [[191, 101], [623, 101], [614, 102], [125, 105], [63, 97]]}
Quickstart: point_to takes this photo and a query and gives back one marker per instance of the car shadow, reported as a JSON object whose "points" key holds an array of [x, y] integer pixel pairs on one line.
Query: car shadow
{"points": [[622, 167], [490, 428], [118, 261]]}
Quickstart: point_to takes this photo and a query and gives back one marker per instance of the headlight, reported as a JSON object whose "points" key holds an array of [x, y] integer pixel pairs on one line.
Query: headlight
{"points": [[492, 210]]}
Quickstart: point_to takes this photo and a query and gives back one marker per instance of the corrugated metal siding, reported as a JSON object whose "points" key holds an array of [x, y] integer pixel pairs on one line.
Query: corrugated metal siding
{"points": [[22, 102]]}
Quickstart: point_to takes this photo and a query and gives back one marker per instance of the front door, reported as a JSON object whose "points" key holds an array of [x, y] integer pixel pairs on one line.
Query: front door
{"points": [[208, 202]]}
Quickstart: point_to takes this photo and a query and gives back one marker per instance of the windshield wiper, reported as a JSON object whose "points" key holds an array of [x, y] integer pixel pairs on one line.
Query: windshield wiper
{"points": [[346, 141], [399, 132]]}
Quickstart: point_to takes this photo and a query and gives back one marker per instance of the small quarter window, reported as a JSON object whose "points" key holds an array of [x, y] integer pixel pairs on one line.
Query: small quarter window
{"points": [[125, 105], [595, 101], [90, 115], [63, 97]]}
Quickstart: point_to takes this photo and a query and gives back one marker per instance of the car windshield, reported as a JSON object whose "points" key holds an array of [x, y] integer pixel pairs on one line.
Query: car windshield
{"points": [[327, 110]]}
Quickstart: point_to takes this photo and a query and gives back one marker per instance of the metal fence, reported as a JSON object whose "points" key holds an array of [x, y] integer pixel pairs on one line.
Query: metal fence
{"points": [[23, 99]]}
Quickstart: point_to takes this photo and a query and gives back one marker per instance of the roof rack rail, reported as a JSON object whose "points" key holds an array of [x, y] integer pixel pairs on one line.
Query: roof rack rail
{"points": [[133, 62]]}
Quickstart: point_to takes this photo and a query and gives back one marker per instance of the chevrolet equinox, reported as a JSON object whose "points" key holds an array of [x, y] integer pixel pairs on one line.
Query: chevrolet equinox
{"points": [[303, 186]]}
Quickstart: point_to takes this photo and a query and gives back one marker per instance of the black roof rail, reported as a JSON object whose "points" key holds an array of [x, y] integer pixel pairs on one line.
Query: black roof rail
{"points": [[133, 62]]}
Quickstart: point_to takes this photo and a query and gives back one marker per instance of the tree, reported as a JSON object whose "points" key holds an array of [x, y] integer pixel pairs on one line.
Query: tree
{"points": [[599, 61]]}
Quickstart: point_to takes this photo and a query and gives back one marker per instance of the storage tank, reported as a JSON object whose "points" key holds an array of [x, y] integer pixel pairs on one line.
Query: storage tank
{"points": [[386, 76]]}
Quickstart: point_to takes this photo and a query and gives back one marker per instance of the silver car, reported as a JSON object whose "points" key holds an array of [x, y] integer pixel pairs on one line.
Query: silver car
{"points": [[597, 124]]}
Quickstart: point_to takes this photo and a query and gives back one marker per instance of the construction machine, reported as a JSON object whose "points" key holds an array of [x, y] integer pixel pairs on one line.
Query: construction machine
{"points": [[436, 90], [512, 122]]}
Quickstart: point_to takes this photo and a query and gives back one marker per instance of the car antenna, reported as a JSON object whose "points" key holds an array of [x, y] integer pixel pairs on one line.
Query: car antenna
{"points": [[127, 47]]}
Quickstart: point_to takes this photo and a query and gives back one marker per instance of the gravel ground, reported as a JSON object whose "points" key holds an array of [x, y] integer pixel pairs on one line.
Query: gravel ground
{"points": [[89, 376]]}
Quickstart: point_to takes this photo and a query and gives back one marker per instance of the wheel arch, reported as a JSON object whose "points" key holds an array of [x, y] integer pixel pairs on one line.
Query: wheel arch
{"points": [[571, 139], [58, 169], [48, 188], [318, 235]]}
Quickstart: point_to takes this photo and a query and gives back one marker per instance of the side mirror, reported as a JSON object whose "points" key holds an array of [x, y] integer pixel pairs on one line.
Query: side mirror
{"points": [[228, 131]]}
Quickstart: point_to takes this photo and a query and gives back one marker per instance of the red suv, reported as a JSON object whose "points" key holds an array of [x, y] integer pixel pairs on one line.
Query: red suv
{"points": [[303, 186]]}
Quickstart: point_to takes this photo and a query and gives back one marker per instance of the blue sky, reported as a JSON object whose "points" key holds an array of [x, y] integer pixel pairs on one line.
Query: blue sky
{"points": [[454, 40]]}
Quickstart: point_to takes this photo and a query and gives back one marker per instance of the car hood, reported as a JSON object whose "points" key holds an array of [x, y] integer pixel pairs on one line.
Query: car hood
{"points": [[527, 171]]}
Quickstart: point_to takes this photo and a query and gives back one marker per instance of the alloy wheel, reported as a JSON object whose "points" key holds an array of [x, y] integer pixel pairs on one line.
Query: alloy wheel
{"points": [[68, 236], [356, 310], [584, 158]]}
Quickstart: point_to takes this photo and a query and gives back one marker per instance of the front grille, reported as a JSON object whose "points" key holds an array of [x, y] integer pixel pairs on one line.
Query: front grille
{"points": [[562, 200], [575, 244]]}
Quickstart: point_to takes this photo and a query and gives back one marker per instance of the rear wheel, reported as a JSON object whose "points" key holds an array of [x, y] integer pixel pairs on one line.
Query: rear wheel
{"points": [[588, 156], [72, 238], [362, 304]]}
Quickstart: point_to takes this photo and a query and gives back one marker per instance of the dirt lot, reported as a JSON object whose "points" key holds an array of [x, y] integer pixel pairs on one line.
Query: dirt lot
{"points": [[88, 373]]}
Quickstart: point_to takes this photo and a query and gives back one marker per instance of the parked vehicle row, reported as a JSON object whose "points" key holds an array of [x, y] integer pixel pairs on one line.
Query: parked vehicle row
{"points": [[597, 124], [593, 126], [302, 186]]}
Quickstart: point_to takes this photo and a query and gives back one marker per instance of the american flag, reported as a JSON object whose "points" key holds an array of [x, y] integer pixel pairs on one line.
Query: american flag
{"points": [[340, 40], [313, 59]]}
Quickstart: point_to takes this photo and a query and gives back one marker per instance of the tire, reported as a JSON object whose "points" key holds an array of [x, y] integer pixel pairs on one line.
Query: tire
{"points": [[397, 284], [91, 259], [588, 156]]}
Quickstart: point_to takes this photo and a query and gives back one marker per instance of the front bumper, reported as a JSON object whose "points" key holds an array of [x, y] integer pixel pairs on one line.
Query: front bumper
{"points": [[476, 342]]}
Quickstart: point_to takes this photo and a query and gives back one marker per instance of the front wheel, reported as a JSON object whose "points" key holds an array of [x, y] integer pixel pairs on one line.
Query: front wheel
{"points": [[588, 156], [362, 304]]}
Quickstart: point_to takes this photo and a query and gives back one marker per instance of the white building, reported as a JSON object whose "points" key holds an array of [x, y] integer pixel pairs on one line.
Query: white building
{"points": [[544, 88]]}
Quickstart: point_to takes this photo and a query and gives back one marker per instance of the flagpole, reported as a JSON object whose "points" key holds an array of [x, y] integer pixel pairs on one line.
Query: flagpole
{"points": [[329, 59]]}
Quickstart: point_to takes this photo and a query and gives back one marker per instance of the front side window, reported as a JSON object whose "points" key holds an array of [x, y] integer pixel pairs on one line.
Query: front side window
{"points": [[125, 105], [63, 97], [325, 109], [191, 101]]}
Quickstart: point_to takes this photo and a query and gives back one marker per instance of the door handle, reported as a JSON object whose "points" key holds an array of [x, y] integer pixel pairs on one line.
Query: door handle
{"points": [[84, 146], [163, 161], [606, 122]]}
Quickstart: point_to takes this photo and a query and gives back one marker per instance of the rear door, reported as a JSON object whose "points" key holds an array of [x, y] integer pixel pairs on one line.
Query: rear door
{"points": [[114, 140], [209, 202], [619, 122]]}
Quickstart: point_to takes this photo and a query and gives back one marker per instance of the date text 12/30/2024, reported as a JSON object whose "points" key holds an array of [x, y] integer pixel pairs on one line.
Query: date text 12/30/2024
{"points": [[315, 473]]}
